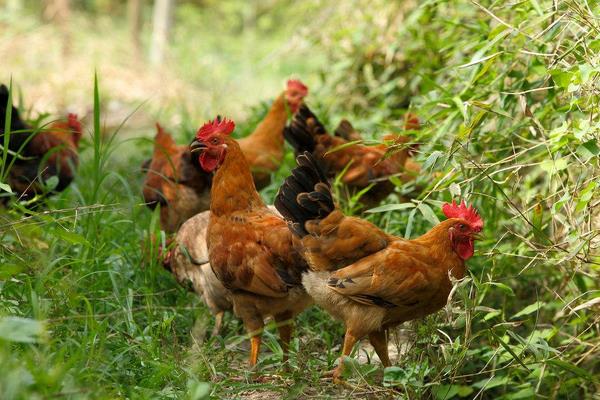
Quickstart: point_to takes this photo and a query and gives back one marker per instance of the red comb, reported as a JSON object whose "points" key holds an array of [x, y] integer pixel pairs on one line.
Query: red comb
{"points": [[74, 123], [220, 125], [411, 122], [463, 211], [294, 84]]}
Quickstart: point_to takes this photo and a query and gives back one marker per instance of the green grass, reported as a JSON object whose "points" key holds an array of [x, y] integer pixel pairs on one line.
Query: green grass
{"points": [[510, 122]]}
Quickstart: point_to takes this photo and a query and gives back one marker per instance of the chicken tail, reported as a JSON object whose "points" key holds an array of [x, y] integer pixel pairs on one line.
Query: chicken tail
{"points": [[301, 132], [16, 123], [305, 195]]}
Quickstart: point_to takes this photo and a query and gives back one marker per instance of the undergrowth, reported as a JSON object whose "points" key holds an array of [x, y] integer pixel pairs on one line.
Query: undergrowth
{"points": [[508, 97]]}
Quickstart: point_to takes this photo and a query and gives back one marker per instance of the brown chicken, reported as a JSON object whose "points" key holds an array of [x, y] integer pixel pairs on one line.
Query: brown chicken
{"points": [[263, 148], [44, 155], [412, 168], [188, 262], [371, 280], [250, 248], [176, 182], [361, 165]]}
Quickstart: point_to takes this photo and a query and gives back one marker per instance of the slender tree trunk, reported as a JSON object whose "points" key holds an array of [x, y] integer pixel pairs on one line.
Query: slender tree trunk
{"points": [[59, 12], [14, 6], [134, 14], [160, 30]]}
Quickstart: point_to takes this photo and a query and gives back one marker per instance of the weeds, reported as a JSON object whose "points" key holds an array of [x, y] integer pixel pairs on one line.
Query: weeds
{"points": [[508, 93]]}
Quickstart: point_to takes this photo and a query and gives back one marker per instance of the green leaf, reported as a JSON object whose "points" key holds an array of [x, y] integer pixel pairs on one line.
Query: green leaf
{"points": [[529, 309], [553, 166], [5, 187], [505, 288], [561, 78], [428, 213], [586, 196], [491, 315], [588, 150], [71, 237], [198, 390], [486, 384], [527, 393], [461, 106], [567, 366], [51, 183], [455, 189], [447, 392], [431, 160], [22, 330], [391, 207], [507, 348], [409, 224]]}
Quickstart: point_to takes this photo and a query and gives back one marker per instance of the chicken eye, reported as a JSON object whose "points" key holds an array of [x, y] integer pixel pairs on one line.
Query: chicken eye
{"points": [[462, 227], [214, 140]]}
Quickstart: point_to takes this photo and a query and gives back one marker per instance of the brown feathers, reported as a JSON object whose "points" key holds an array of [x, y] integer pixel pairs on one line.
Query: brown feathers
{"points": [[175, 181]]}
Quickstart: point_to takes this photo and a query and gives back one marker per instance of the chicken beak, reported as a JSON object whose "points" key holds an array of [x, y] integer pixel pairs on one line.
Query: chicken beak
{"points": [[478, 236], [197, 146]]}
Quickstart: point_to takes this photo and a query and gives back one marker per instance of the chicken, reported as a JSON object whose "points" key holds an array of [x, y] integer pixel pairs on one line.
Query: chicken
{"points": [[361, 165], [44, 155], [263, 148], [20, 131], [250, 248], [176, 182], [371, 280], [188, 262], [412, 168]]}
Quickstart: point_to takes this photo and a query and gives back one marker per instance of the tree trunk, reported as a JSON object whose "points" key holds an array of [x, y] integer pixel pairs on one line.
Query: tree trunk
{"points": [[14, 6], [59, 12], [134, 15], [160, 30]]}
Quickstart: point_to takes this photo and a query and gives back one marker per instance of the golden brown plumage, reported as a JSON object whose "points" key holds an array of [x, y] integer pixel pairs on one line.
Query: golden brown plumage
{"points": [[362, 165], [176, 182], [363, 276], [50, 152], [250, 248], [263, 148]]}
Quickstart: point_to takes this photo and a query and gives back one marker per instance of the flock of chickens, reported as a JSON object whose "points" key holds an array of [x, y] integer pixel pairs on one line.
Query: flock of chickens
{"points": [[261, 261]]}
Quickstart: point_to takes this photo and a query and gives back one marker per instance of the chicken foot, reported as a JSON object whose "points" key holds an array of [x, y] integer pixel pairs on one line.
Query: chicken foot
{"points": [[349, 342]]}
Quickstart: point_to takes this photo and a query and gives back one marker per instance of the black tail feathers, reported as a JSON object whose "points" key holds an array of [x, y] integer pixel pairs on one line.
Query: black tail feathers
{"points": [[16, 123], [305, 195], [301, 132]]}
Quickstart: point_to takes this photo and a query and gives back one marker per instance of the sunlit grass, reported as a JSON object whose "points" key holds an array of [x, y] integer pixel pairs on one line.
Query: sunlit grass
{"points": [[92, 316]]}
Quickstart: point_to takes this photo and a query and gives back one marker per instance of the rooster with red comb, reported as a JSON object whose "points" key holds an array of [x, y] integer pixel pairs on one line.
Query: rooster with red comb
{"points": [[264, 147], [250, 249], [367, 278]]}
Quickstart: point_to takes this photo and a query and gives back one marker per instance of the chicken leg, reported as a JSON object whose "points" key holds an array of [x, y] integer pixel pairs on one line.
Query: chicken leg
{"points": [[218, 323], [380, 344], [349, 342], [254, 327], [285, 328]]}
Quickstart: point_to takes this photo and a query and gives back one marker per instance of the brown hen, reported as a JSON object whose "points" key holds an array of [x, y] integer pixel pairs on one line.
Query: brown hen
{"points": [[36, 158], [176, 182], [361, 165], [363, 276], [250, 248]]}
